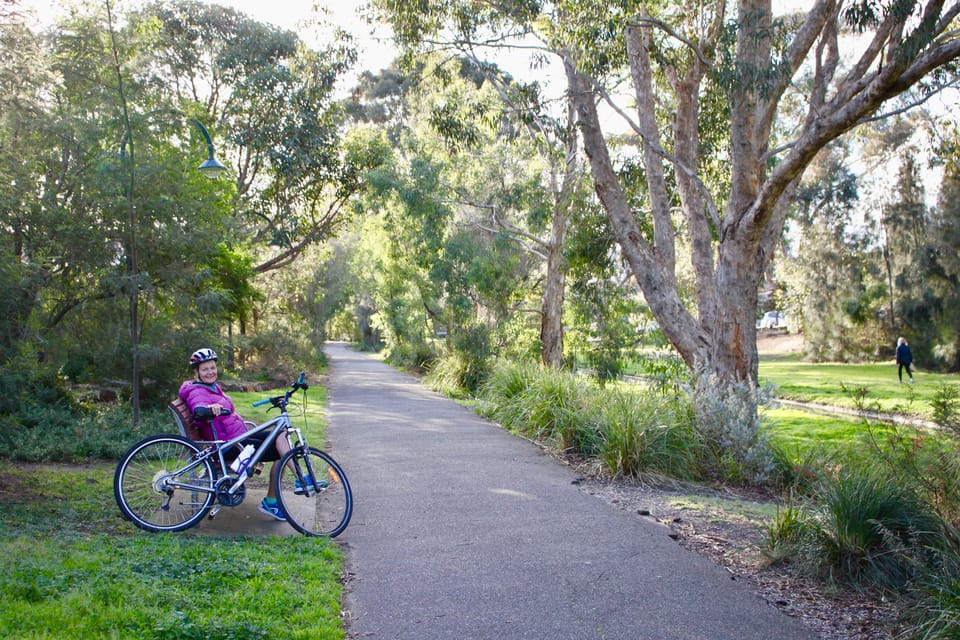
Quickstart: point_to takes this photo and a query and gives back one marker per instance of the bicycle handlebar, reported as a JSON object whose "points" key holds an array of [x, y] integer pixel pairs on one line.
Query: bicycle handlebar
{"points": [[281, 401]]}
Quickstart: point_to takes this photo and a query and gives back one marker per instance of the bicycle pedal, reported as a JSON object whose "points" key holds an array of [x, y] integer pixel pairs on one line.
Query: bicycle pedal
{"points": [[213, 511]]}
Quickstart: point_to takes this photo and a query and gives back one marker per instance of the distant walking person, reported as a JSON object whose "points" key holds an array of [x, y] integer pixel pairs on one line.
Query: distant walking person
{"points": [[904, 359]]}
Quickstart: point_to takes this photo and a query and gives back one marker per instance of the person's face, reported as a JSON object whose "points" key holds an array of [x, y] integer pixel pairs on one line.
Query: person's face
{"points": [[207, 372]]}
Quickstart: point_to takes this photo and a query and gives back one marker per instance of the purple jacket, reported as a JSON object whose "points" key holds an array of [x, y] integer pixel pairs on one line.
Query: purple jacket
{"points": [[197, 394]]}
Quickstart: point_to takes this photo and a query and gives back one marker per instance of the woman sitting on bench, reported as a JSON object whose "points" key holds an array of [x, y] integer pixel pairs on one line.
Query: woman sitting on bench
{"points": [[215, 415]]}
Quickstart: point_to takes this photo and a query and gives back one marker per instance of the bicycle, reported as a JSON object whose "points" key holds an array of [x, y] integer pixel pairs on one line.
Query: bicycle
{"points": [[170, 483]]}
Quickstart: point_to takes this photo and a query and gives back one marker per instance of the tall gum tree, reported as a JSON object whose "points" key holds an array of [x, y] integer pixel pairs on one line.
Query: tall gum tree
{"points": [[682, 60]]}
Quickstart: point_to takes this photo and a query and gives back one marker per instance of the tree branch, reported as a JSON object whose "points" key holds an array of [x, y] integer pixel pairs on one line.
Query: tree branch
{"points": [[669, 157]]}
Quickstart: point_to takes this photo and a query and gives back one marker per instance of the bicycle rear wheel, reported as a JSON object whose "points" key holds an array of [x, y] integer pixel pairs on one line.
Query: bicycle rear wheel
{"points": [[158, 488], [313, 491]]}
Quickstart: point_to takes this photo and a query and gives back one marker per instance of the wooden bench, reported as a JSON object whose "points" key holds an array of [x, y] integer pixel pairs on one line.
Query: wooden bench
{"points": [[187, 425], [184, 419]]}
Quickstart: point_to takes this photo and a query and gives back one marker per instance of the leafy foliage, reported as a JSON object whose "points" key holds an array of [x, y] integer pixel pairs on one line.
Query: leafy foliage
{"points": [[99, 211], [730, 428]]}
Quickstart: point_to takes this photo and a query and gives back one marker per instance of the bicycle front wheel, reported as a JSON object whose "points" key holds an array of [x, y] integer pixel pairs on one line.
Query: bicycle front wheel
{"points": [[313, 492], [160, 486]]}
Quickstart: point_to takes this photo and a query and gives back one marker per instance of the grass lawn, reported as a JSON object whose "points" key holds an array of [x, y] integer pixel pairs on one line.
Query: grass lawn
{"points": [[71, 567], [804, 433], [838, 384], [311, 419]]}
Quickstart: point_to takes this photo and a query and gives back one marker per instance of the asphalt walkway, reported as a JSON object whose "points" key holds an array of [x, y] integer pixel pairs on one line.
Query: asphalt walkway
{"points": [[463, 531]]}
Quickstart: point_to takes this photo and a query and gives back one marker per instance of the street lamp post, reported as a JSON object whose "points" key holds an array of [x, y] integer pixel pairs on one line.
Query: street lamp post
{"points": [[211, 168]]}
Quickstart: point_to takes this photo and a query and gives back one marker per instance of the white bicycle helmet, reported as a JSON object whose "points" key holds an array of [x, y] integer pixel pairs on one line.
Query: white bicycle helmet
{"points": [[202, 355]]}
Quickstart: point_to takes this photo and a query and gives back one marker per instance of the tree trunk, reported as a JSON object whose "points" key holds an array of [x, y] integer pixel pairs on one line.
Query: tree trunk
{"points": [[733, 337], [656, 280], [551, 316], [551, 321]]}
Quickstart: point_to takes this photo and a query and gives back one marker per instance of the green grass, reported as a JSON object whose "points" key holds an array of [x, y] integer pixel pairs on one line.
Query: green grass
{"points": [[72, 567], [796, 429], [838, 384], [315, 425]]}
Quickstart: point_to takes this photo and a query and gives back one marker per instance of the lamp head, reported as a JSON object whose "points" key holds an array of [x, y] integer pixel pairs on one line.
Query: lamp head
{"points": [[211, 168]]}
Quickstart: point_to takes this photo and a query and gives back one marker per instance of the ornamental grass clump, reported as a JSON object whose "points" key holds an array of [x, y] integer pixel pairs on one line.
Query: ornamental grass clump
{"points": [[632, 431], [647, 434], [865, 529], [936, 615], [555, 408]]}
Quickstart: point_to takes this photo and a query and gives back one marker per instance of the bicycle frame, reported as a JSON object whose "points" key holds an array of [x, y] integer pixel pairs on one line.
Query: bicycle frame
{"points": [[218, 448]]}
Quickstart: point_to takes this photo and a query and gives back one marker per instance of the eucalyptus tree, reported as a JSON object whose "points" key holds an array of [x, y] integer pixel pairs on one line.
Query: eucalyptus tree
{"points": [[554, 141], [451, 181], [920, 252], [904, 223], [269, 99], [518, 172], [604, 309], [533, 210], [944, 342], [273, 99], [832, 276], [21, 108], [707, 82]]}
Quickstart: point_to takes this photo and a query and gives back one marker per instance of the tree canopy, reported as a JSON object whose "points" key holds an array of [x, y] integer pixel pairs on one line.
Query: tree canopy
{"points": [[720, 149]]}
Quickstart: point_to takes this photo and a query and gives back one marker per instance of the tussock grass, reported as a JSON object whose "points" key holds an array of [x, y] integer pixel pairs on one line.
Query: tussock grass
{"points": [[631, 431], [937, 613], [866, 529], [649, 433]]}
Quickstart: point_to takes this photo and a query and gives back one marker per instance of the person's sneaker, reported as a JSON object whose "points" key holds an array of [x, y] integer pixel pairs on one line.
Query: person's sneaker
{"points": [[272, 509], [298, 486]]}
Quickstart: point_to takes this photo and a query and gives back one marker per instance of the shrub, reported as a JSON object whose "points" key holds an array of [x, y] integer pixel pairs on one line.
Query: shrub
{"points": [[473, 346], [667, 372], [924, 459], [866, 529], [416, 356], [946, 407], [54, 434], [24, 383], [729, 423], [797, 470]]}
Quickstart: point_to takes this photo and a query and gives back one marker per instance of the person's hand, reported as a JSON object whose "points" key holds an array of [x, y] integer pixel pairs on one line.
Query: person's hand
{"points": [[218, 410]]}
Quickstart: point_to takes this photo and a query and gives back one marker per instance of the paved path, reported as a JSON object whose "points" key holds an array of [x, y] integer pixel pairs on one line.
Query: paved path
{"points": [[462, 531]]}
